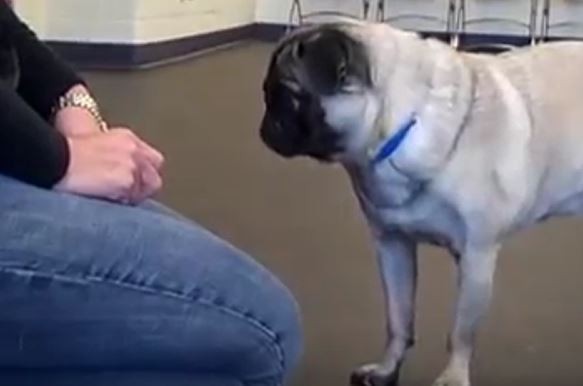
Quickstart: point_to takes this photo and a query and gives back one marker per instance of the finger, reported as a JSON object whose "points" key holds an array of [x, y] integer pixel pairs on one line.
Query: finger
{"points": [[154, 156], [120, 186], [150, 153], [147, 183], [151, 181], [135, 193]]}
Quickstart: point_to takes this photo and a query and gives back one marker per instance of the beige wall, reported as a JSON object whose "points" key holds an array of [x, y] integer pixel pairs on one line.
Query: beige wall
{"points": [[157, 20], [80, 20], [142, 21], [132, 21], [33, 12]]}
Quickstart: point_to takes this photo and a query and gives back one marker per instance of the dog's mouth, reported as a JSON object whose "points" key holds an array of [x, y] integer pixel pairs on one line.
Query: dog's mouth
{"points": [[274, 137], [326, 151], [324, 146]]}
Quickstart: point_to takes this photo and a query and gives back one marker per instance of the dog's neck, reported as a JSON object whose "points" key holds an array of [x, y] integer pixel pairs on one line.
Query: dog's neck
{"points": [[429, 83], [391, 144]]}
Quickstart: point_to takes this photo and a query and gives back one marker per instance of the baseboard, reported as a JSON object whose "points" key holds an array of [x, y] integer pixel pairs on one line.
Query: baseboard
{"points": [[110, 56], [269, 32], [87, 56]]}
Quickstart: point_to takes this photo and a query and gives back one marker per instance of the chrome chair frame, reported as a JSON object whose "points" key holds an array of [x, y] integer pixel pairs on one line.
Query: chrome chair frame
{"points": [[547, 25]]}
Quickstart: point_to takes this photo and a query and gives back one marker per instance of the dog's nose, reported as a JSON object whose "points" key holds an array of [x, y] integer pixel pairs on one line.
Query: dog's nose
{"points": [[270, 131], [275, 137]]}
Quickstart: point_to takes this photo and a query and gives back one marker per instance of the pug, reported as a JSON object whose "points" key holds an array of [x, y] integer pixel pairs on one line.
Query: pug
{"points": [[459, 150]]}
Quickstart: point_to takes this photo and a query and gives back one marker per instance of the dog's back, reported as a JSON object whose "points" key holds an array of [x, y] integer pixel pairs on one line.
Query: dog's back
{"points": [[549, 80]]}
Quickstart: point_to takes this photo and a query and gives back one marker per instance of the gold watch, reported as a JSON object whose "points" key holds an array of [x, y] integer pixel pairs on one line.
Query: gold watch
{"points": [[82, 100]]}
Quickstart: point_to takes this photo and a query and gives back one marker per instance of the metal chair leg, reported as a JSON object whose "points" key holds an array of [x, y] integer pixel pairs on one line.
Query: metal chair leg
{"points": [[381, 10], [534, 5], [365, 8], [456, 21], [546, 20], [296, 10]]}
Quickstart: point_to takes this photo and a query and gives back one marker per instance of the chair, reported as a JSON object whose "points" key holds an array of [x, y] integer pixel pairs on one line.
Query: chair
{"points": [[302, 17], [547, 26], [444, 25], [463, 22]]}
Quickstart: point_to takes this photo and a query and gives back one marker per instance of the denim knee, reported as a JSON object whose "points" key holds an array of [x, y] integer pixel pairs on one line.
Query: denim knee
{"points": [[284, 323], [290, 332]]}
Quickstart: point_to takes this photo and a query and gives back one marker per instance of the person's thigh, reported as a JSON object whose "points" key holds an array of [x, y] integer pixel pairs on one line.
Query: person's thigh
{"points": [[72, 378], [91, 285]]}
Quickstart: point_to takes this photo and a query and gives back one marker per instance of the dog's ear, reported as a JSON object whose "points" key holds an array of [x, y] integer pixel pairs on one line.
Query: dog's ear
{"points": [[331, 61]]}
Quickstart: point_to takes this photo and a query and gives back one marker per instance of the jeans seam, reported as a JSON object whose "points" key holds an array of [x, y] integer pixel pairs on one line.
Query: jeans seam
{"points": [[261, 326]]}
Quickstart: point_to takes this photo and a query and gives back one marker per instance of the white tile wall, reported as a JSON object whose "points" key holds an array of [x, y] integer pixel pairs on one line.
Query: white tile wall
{"points": [[80, 20], [141, 21], [157, 20], [132, 21]]}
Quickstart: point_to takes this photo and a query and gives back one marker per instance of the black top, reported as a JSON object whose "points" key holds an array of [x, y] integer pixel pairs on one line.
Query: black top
{"points": [[31, 150]]}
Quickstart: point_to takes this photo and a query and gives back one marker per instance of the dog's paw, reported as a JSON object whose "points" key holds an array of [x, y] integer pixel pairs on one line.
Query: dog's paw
{"points": [[452, 379], [374, 375]]}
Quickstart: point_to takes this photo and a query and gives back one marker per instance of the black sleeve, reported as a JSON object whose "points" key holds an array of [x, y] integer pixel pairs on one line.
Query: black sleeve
{"points": [[30, 149], [43, 75]]}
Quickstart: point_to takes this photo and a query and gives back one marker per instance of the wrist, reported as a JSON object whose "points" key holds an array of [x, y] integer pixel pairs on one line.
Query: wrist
{"points": [[77, 110], [75, 121]]}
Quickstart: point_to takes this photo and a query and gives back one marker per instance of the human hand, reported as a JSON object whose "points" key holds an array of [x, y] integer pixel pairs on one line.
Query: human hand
{"points": [[116, 165]]}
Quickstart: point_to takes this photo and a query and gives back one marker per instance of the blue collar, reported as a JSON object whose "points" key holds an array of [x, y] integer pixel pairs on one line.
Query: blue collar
{"points": [[392, 144]]}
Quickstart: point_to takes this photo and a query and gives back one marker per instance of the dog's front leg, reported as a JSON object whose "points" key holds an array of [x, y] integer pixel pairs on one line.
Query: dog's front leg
{"points": [[398, 263], [475, 281]]}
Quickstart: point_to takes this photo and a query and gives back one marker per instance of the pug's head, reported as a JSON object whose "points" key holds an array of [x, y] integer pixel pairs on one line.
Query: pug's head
{"points": [[318, 94]]}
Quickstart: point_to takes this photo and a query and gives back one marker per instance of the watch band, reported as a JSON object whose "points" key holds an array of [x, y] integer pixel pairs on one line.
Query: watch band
{"points": [[82, 100]]}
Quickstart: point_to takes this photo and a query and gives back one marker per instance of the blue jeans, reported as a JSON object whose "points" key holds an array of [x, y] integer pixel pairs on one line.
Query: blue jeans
{"points": [[94, 293]]}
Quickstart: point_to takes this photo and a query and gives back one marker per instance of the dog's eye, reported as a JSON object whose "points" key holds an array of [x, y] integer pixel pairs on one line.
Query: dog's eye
{"points": [[300, 50]]}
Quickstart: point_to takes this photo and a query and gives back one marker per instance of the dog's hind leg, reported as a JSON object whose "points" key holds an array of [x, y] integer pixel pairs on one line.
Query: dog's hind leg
{"points": [[398, 263], [476, 275]]}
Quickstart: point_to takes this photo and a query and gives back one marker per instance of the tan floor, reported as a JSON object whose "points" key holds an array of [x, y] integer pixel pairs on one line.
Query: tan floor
{"points": [[301, 220]]}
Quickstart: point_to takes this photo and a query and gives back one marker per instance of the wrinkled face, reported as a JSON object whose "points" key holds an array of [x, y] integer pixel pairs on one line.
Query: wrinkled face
{"points": [[315, 93]]}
